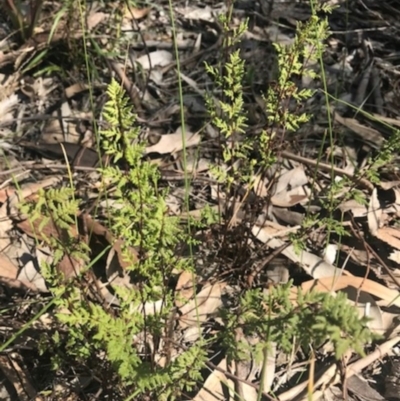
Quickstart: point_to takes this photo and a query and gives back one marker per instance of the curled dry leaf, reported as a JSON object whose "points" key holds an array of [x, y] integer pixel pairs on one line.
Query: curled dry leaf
{"points": [[215, 385], [69, 266], [136, 13], [75, 89], [105, 237], [184, 288], [355, 207], [367, 134], [37, 230], [328, 284], [172, 143], [330, 253], [8, 269], [158, 58], [205, 303], [293, 178], [390, 235], [291, 198], [395, 257], [312, 264], [31, 275], [95, 18]]}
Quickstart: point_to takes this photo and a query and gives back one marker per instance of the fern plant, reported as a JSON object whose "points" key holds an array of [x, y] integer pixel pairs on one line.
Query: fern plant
{"points": [[57, 210], [274, 318], [142, 220], [138, 215], [307, 47], [228, 114], [312, 319]]}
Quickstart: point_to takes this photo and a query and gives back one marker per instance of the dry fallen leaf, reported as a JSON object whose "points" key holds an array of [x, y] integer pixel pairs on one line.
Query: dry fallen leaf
{"points": [[33, 229], [197, 13], [205, 303], [390, 235], [29, 273], [293, 178], [214, 387], [69, 266], [290, 188], [105, 237], [291, 198], [312, 264], [355, 207], [328, 284], [184, 288], [136, 13], [95, 18], [172, 143], [158, 58], [373, 137], [395, 256]]}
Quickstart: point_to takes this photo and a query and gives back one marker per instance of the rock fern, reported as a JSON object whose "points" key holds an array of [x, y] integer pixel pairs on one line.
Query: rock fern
{"points": [[150, 237]]}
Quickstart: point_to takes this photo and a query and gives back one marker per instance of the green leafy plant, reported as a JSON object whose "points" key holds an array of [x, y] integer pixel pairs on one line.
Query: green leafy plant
{"points": [[384, 157], [307, 48], [316, 317], [308, 321], [228, 114], [137, 213], [142, 220]]}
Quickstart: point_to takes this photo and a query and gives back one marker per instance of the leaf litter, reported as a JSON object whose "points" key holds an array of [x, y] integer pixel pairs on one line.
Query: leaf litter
{"points": [[39, 114]]}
